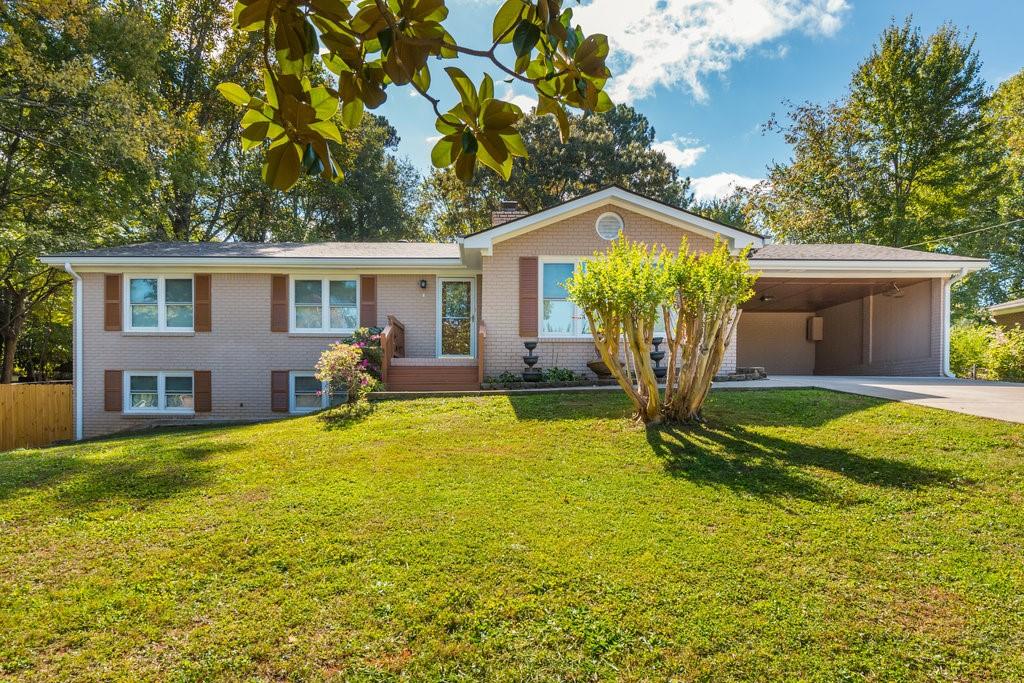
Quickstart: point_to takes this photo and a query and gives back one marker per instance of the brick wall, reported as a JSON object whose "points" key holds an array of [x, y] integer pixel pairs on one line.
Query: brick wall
{"points": [[575, 236], [240, 352]]}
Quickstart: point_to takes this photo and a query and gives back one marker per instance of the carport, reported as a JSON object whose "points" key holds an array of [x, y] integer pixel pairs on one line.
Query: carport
{"points": [[849, 310]]}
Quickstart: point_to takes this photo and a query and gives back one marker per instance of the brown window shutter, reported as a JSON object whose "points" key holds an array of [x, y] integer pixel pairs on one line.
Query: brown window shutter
{"points": [[113, 394], [528, 296], [203, 318], [202, 381], [278, 303], [112, 303], [368, 301], [279, 391]]}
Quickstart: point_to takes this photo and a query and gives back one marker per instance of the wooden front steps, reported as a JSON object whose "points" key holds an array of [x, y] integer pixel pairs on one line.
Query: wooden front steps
{"points": [[408, 377], [428, 374]]}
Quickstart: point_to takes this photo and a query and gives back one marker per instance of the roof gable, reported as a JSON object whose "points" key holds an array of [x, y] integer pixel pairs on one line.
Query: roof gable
{"points": [[614, 196]]}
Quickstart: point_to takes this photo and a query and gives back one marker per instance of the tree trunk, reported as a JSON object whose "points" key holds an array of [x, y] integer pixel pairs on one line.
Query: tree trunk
{"points": [[11, 331], [10, 348]]}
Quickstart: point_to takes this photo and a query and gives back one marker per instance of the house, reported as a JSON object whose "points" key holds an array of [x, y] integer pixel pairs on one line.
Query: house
{"points": [[231, 331], [1008, 314]]}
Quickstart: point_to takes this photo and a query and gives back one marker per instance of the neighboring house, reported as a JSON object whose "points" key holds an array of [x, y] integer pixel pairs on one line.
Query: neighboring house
{"points": [[231, 331], [1008, 313]]}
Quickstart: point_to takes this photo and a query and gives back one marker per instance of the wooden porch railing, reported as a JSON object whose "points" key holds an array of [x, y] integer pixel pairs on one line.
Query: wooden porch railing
{"points": [[481, 336], [392, 345]]}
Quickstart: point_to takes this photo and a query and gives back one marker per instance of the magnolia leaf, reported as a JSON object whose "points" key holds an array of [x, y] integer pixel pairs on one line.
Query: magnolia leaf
{"points": [[465, 88], [525, 38], [352, 114], [250, 15], [234, 93], [498, 115], [328, 129], [281, 168], [465, 166], [323, 102], [271, 90], [505, 19], [486, 88], [445, 151]]}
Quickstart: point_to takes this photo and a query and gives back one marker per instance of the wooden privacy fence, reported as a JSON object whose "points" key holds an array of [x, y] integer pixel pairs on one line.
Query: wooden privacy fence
{"points": [[35, 415]]}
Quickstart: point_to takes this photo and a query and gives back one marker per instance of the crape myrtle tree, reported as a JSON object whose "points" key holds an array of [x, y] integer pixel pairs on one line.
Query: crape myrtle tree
{"points": [[624, 291], [372, 45]]}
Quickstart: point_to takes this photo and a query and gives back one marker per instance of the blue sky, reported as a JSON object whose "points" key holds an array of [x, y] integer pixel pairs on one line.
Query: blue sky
{"points": [[708, 73]]}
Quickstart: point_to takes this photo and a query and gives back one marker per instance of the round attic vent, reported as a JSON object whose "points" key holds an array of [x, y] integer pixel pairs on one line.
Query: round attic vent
{"points": [[609, 225]]}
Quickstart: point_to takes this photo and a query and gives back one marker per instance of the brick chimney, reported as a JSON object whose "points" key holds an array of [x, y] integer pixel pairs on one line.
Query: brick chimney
{"points": [[509, 211]]}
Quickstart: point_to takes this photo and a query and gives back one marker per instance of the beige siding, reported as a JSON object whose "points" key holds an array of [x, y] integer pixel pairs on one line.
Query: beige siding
{"points": [[241, 351], [883, 335], [575, 236], [1010, 320], [775, 341]]}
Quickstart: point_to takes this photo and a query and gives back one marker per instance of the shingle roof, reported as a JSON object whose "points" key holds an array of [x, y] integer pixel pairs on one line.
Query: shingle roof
{"points": [[848, 252], [1007, 306], [326, 250]]}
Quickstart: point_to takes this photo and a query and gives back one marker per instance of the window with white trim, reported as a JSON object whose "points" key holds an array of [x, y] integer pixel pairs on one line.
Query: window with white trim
{"points": [[306, 393], [559, 317], [160, 303], [159, 392], [325, 305]]}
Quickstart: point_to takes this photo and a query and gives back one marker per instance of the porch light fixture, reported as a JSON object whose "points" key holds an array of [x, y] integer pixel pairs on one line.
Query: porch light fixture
{"points": [[423, 284], [766, 298]]}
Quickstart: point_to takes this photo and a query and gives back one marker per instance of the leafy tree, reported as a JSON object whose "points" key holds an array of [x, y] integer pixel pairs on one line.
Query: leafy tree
{"points": [[372, 45], [731, 210], [73, 140], [1004, 245], [898, 160], [625, 290], [614, 148]]}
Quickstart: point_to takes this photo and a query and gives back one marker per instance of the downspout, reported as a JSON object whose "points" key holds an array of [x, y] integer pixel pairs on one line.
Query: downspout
{"points": [[77, 386], [947, 291]]}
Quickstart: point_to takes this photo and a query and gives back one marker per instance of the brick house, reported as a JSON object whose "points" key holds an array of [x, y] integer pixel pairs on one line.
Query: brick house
{"points": [[231, 331]]}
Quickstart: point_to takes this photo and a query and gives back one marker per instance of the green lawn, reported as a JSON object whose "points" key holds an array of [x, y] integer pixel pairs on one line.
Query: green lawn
{"points": [[802, 535]]}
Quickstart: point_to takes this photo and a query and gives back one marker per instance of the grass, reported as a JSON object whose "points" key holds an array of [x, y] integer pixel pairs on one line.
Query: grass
{"points": [[801, 535]]}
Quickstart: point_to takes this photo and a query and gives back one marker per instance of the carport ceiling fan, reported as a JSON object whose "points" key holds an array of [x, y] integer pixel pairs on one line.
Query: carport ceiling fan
{"points": [[893, 292]]}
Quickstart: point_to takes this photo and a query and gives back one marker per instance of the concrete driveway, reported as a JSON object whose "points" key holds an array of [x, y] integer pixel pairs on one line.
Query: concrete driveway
{"points": [[998, 400]]}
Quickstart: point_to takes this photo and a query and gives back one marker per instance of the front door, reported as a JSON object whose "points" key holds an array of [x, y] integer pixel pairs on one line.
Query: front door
{"points": [[456, 317]]}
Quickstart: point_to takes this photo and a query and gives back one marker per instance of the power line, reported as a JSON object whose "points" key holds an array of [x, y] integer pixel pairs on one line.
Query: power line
{"points": [[963, 234]]}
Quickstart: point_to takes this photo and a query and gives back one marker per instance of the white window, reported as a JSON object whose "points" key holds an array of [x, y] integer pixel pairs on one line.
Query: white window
{"points": [[306, 393], [159, 303], [324, 305], [559, 317], [158, 392]]}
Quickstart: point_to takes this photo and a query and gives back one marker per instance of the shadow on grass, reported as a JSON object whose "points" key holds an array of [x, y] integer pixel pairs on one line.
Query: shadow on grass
{"points": [[344, 416], [763, 465], [133, 469]]}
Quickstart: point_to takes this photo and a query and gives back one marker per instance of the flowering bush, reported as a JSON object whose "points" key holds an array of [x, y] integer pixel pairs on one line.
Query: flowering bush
{"points": [[343, 367], [367, 340]]}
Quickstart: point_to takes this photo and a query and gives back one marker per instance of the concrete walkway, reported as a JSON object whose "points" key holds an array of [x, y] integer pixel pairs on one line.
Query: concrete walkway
{"points": [[998, 400]]}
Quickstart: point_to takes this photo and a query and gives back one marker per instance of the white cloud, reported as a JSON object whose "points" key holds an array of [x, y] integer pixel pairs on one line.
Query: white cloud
{"points": [[672, 42], [681, 152], [524, 102], [719, 185]]}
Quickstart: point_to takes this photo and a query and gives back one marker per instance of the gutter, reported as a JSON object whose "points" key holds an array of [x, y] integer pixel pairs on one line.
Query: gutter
{"points": [[77, 386], [947, 290]]}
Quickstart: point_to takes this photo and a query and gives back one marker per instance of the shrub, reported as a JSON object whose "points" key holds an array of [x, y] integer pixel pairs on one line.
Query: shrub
{"points": [[343, 367], [1006, 355], [969, 347], [557, 374], [367, 340]]}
